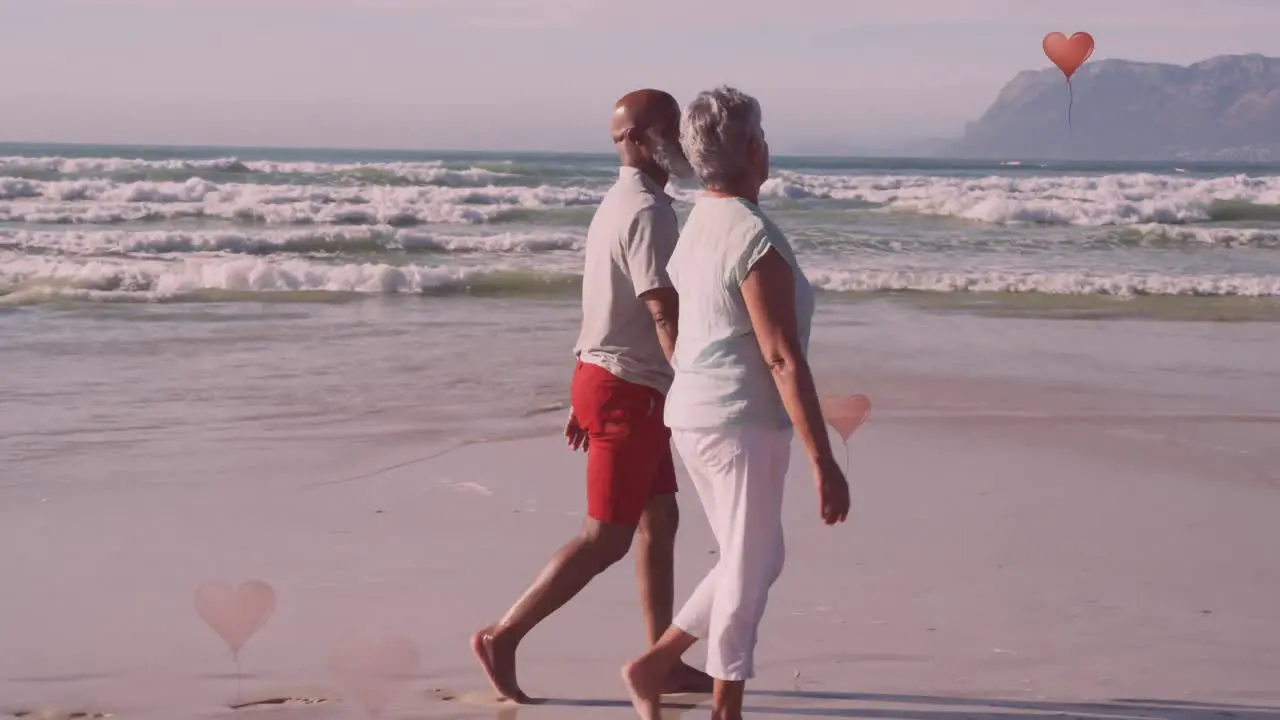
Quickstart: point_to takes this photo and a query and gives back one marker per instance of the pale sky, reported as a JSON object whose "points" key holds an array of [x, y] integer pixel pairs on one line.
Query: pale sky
{"points": [[543, 74]]}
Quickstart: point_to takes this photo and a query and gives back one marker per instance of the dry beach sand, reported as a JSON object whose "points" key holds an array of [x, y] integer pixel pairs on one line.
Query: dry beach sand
{"points": [[1021, 546]]}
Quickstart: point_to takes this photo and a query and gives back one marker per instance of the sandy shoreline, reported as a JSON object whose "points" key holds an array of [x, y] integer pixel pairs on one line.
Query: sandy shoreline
{"points": [[1050, 517], [978, 568]]}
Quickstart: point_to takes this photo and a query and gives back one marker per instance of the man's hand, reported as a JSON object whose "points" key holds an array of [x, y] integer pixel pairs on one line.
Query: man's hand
{"points": [[574, 435], [833, 493]]}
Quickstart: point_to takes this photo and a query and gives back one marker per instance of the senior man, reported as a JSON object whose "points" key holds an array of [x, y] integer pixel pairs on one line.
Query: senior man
{"points": [[618, 394]]}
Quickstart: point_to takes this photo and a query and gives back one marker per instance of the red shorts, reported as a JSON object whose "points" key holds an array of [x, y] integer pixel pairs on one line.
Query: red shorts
{"points": [[629, 452]]}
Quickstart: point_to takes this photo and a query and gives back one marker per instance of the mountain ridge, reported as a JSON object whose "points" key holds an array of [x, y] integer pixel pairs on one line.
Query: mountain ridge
{"points": [[1226, 107]]}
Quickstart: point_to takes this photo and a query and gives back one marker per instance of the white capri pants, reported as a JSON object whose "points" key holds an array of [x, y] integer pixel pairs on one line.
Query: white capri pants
{"points": [[739, 474]]}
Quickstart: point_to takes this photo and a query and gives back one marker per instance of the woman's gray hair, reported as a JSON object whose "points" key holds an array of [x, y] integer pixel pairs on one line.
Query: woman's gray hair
{"points": [[715, 130]]}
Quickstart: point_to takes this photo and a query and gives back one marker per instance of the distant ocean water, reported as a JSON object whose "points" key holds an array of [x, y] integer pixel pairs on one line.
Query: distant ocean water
{"points": [[121, 224]]}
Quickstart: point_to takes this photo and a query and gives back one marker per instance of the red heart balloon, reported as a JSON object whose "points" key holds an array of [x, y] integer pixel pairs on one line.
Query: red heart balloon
{"points": [[1068, 53]]}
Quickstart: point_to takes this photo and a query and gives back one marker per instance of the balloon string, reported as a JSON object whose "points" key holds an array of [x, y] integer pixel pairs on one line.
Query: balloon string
{"points": [[239, 694], [1071, 99], [847, 470]]}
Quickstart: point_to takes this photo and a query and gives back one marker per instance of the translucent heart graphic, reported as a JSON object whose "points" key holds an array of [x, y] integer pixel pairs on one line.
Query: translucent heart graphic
{"points": [[846, 414], [235, 614], [374, 672]]}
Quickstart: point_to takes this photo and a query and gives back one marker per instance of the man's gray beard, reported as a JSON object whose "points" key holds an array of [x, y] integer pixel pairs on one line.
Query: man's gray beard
{"points": [[670, 157]]}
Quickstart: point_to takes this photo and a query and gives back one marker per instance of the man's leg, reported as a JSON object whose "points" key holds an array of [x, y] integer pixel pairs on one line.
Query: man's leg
{"points": [[598, 546], [655, 576], [618, 485], [655, 563]]}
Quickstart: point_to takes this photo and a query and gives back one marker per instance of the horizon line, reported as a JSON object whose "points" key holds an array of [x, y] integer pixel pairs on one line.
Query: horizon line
{"points": [[354, 149], [1011, 162]]}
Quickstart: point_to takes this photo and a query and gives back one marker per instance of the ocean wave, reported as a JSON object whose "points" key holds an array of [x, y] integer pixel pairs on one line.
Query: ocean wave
{"points": [[107, 202], [384, 239], [394, 173], [1124, 199], [328, 241], [109, 190], [38, 279], [1014, 242], [41, 277], [1154, 235], [1130, 284]]}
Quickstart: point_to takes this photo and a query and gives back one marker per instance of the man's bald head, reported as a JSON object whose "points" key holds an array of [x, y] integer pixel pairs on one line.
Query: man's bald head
{"points": [[643, 111], [646, 128]]}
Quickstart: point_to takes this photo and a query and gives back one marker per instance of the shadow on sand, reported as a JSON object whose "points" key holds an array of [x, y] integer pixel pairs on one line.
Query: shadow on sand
{"points": [[927, 707]]}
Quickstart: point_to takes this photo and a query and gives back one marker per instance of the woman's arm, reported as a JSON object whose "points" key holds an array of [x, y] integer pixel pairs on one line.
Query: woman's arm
{"points": [[770, 296]]}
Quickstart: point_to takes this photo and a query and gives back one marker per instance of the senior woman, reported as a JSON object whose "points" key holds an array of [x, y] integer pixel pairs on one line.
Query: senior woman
{"points": [[742, 390]]}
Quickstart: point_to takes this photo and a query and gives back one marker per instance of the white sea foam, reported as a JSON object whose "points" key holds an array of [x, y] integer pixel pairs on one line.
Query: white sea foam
{"points": [[34, 278], [99, 190], [1071, 200], [1211, 236], [426, 173], [263, 241], [75, 166], [105, 201], [1049, 283], [23, 277]]}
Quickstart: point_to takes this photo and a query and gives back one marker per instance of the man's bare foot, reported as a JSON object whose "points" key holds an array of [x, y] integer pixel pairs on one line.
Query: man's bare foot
{"points": [[644, 680], [686, 679], [498, 658]]}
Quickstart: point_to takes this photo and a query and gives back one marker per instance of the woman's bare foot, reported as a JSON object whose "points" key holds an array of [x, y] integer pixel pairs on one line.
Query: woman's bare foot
{"points": [[644, 678], [498, 658], [685, 679]]}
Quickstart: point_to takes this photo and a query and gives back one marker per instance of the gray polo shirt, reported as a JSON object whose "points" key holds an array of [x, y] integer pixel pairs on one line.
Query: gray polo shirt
{"points": [[629, 243]]}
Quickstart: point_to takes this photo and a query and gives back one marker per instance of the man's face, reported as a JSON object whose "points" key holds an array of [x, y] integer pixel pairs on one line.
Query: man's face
{"points": [[663, 145]]}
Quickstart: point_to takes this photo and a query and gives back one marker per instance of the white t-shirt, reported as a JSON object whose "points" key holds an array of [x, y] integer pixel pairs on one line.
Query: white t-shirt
{"points": [[629, 243], [721, 377]]}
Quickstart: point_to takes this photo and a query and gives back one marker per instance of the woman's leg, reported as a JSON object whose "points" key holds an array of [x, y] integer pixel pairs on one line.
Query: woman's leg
{"points": [[751, 558], [644, 676], [739, 474], [727, 702]]}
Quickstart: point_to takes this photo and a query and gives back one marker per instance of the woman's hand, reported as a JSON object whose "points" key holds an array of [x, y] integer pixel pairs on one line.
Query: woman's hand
{"points": [[574, 434], [833, 492]]}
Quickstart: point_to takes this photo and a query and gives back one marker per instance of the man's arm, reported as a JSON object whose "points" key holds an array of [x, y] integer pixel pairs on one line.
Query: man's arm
{"points": [[664, 306], [652, 240]]}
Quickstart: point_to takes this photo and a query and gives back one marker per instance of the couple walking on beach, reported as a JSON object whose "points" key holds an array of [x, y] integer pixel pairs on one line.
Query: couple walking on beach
{"points": [[701, 342]]}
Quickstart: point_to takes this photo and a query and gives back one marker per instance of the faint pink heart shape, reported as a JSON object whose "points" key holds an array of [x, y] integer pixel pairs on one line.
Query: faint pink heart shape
{"points": [[374, 672], [235, 613], [846, 414]]}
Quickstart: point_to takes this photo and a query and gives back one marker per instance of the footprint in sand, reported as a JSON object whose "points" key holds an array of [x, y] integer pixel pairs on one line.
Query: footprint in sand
{"points": [[467, 486], [282, 702], [503, 709]]}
